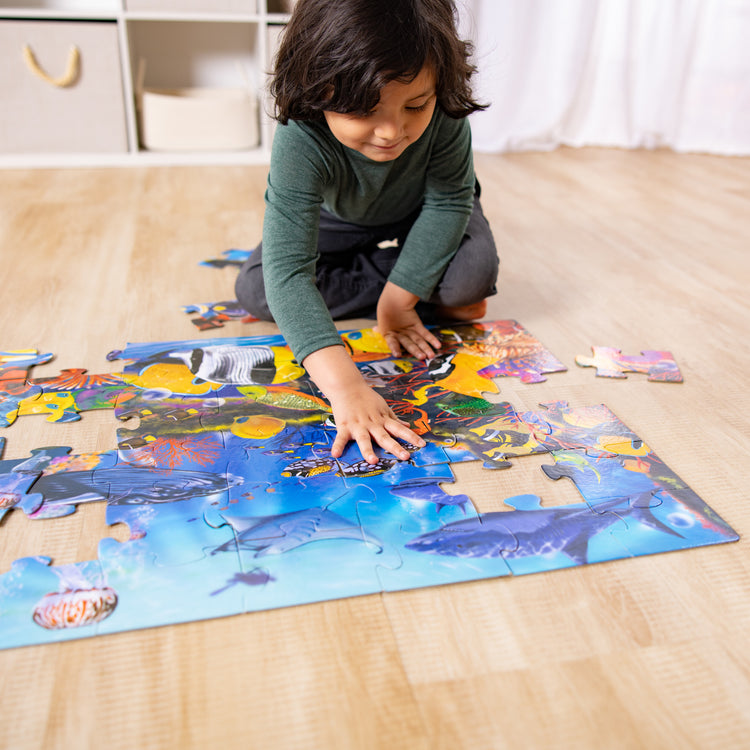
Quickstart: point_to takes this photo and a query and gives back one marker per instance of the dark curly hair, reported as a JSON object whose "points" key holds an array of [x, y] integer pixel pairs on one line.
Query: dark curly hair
{"points": [[337, 55]]}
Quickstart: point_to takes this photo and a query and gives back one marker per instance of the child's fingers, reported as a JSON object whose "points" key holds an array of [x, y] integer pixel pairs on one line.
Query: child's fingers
{"points": [[365, 448], [362, 437], [425, 341], [393, 344], [339, 444], [416, 345], [402, 430], [433, 340], [384, 437], [388, 443]]}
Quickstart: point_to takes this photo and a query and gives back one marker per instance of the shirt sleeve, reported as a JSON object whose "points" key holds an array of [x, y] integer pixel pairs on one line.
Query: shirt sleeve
{"points": [[290, 238], [449, 194]]}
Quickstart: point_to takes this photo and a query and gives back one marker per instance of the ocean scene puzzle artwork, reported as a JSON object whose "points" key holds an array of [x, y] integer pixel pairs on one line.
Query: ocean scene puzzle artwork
{"points": [[234, 503]]}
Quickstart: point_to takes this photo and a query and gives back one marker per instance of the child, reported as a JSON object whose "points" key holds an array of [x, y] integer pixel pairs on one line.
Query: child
{"points": [[372, 205]]}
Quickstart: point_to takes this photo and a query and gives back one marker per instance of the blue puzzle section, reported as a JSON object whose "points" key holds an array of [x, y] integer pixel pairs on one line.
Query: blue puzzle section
{"points": [[223, 474]]}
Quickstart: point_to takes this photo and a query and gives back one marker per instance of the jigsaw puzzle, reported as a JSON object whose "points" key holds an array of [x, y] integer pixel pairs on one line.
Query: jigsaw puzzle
{"points": [[211, 315], [612, 363], [234, 503]]}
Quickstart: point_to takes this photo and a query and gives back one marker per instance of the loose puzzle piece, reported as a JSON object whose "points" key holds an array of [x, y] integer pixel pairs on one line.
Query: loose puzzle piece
{"points": [[660, 366], [223, 474], [212, 315], [232, 258]]}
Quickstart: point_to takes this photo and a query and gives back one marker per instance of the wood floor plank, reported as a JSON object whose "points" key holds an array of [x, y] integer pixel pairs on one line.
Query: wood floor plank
{"points": [[638, 250]]}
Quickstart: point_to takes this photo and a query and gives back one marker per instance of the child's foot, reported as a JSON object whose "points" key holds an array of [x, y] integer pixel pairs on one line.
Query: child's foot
{"points": [[465, 313]]}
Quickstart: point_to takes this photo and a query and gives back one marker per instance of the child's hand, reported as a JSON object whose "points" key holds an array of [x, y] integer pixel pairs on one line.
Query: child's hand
{"points": [[360, 413], [400, 325]]}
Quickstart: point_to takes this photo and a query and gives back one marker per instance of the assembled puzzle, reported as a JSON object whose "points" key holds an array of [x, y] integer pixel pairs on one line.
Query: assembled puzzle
{"points": [[234, 503]]}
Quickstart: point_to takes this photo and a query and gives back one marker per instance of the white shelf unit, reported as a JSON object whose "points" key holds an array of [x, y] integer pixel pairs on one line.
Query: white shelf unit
{"points": [[184, 44]]}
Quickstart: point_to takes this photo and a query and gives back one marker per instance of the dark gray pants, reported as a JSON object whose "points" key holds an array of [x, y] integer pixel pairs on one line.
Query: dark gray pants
{"points": [[352, 268]]}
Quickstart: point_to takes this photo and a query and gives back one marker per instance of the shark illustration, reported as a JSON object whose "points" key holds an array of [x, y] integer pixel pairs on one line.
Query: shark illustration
{"points": [[534, 530], [429, 492], [273, 535]]}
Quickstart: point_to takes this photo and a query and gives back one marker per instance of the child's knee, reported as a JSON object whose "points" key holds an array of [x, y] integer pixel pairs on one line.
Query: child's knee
{"points": [[485, 269], [250, 291], [473, 285]]}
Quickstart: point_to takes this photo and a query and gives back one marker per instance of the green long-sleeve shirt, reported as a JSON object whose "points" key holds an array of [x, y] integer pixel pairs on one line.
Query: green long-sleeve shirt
{"points": [[310, 168]]}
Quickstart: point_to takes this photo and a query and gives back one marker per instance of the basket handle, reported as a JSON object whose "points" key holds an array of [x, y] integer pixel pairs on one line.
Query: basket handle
{"points": [[70, 75]]}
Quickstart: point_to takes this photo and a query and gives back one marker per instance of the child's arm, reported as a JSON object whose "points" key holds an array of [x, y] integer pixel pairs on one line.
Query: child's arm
{"points": [[360, 413], [400, 325]]}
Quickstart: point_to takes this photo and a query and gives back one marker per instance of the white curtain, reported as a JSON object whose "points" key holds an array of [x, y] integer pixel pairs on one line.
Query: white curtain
{"points": [[628, 73]]}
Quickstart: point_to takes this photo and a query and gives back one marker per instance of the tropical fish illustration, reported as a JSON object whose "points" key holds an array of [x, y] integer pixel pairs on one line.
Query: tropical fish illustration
{"points": [[386, 369], [274, 535], [284, 397], [534, 530], [365, 469], [429, 492], [126, 485], [312, 467], [464, 406], [236, 365]]}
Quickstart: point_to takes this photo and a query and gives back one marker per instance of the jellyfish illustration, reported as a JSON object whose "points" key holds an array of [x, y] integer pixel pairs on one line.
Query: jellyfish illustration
{"points": [[77, 601]]}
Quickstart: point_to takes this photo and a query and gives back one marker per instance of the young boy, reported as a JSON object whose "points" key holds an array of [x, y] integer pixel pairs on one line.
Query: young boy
{"points": [[372, 206]]}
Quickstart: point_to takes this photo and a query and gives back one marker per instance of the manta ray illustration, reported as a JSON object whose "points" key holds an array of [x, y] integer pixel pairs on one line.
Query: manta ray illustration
{"points": [[273, 535]]}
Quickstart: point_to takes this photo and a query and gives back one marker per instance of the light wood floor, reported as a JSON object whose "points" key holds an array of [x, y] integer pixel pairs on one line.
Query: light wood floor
{"points": [[638, 250]]}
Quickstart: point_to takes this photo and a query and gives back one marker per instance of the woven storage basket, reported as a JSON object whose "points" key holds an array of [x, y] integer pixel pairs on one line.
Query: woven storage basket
{"points": [[198, 119]]}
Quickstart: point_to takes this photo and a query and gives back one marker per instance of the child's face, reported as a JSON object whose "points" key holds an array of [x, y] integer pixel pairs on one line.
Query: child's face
{"points": [[400, 117]]}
